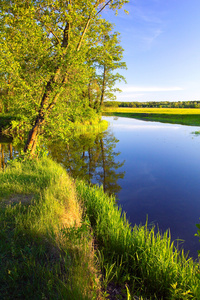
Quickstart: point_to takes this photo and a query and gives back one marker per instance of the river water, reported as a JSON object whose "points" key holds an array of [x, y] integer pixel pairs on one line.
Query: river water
{"points": [[152, 168], [162, 176]]}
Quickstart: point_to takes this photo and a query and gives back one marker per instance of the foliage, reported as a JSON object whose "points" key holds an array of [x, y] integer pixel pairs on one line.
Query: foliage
{"points": [[104, 60], [45, 60], [6, 121]]}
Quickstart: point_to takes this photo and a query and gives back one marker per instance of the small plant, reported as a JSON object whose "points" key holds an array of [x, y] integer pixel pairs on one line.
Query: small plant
{"points": [[198, 234]]}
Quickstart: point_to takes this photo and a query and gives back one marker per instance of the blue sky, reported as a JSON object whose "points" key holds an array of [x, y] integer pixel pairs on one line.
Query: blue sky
{"points": [[161, 41]]}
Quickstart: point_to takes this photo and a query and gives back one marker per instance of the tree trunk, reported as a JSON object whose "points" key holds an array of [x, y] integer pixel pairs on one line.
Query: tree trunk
{"points": [[32, 137], [69, 159], [103, 86], [45, 107], [90, 166], [89, 95], [0, 158], [104, 164], [11, 151]]}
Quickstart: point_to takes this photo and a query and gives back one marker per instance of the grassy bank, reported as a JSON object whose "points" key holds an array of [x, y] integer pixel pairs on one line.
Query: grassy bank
{"points": [[137, 258], [46, 249], [49, 227], [184, 116]]}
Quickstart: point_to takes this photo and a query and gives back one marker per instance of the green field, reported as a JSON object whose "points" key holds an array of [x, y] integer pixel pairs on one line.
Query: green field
{"points": [[184, 116]]}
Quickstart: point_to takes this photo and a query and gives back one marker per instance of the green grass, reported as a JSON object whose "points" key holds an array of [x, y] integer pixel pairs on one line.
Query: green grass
{"points": [[146, 262], [46, 248], [184, 116], [47, 229]]}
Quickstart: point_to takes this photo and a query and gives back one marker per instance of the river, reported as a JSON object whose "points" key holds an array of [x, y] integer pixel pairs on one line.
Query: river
{"points": [[152, 168], [162, 176]]}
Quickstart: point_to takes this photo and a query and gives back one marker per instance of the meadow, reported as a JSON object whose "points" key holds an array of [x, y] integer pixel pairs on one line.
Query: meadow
{"points": [[184, 116]]}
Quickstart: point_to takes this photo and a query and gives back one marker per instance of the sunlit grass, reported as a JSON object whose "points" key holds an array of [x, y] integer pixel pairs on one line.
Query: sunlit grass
{"points": [[184, 116], [147, 261], [46, 248], [170, 111]]}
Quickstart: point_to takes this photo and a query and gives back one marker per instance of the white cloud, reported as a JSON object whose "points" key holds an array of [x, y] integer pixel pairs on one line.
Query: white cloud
{"points": [[147, 14], [151, 37], [133, 89], [132, 95]]}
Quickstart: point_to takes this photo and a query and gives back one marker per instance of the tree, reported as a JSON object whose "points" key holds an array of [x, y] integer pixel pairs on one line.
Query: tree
{"points": [[105, 59], [45, 44]]}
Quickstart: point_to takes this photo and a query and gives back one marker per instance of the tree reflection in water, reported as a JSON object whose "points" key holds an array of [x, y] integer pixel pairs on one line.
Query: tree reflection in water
{"points": [[91, 157], [6, 151]]}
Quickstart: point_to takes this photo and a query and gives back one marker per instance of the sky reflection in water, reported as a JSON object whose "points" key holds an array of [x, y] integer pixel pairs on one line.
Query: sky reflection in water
{"points": [[162, 176]]}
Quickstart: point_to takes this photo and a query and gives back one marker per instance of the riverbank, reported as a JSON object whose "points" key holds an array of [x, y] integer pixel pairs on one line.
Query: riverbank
{"points": [[94, 126], [46, 245], [183, 116], [67, 240]]}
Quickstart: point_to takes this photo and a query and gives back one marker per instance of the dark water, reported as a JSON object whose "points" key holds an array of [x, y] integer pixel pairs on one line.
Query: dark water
{"points": [[153, 168]]}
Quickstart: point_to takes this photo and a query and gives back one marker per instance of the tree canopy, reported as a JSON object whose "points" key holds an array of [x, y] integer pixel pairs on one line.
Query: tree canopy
{"points": [[56, 61]]}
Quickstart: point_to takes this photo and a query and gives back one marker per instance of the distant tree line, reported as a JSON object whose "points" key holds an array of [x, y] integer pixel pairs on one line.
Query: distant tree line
{"points": [[163, 104]]}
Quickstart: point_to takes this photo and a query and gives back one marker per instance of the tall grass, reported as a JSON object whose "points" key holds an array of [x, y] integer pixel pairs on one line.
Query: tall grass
{"points": [[46, 248], [148, 262]]}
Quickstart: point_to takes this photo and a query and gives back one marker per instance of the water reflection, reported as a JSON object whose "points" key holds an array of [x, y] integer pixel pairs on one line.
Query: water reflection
{"points": [[6, 151], [92, 157]]}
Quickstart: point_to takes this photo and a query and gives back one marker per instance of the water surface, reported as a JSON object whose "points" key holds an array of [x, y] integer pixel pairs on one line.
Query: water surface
{"points": [[162, 176], [152, 168]]}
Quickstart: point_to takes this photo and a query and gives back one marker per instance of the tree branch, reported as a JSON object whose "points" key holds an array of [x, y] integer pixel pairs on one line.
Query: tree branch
{"points": [[84, 32], [87, 24], [52, 32], [103, 7], [66, 36]]}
